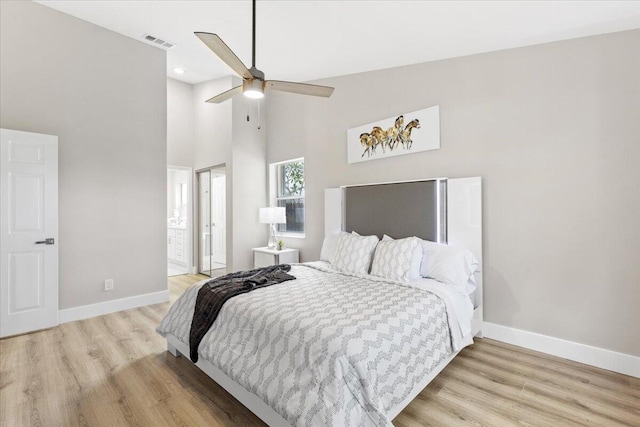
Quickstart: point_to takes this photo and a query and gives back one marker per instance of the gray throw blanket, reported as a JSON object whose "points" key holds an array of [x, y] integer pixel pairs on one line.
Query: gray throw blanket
{"points": [[213, 294]]}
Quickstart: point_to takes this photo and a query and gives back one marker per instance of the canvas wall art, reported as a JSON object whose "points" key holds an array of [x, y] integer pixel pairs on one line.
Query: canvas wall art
{"points": [[402, 134]]}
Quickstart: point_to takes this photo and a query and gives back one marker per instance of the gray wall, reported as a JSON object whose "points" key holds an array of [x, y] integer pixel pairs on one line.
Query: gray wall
{"points": [[553, 130], [213, 123], [180, 123], [222, 135], [249, 179], [104, 96]]}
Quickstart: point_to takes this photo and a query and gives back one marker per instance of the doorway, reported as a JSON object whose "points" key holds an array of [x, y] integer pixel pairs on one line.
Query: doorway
{"points": [[212, 221], [178, 220]]}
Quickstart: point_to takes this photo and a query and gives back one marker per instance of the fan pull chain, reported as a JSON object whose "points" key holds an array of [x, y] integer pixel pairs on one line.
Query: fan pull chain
{"points": [[259, 117]]}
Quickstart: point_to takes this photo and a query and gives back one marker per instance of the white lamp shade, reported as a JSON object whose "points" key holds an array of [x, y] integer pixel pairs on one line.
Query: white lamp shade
{"points": [[272, 216]]}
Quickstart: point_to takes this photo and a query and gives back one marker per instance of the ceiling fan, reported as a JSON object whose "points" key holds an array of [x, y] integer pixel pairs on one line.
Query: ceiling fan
{"points": [[253, 82]]}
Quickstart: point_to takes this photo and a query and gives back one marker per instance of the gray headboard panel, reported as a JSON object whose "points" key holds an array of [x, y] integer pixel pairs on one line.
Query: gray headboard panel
{"points": [[400, 210]]}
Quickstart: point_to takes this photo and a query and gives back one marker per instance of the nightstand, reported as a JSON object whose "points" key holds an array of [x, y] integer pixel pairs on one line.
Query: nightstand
{"points": [[264, 257]]}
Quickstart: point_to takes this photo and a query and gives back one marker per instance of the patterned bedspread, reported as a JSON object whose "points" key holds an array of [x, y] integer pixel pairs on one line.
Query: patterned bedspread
{"points": [[327, 349]]}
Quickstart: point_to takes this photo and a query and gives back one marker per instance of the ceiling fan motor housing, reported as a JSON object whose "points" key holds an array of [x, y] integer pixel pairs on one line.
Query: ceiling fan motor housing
{"points": [[254, 88], [257, 74]]}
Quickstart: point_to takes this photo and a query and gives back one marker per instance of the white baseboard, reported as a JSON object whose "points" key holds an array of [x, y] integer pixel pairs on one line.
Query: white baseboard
{"points": [[594, 356], [93, 310]]}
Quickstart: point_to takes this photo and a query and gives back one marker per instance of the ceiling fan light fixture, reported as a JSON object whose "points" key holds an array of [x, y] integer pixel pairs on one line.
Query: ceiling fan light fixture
{"points": [[253, 88]]}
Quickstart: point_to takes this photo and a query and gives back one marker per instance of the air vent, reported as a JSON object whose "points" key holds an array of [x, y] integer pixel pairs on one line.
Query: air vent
{"points": [[158, 41]]}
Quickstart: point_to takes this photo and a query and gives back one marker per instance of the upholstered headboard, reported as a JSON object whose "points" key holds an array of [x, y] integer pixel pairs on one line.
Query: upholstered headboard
{"points": [[401, 209]]}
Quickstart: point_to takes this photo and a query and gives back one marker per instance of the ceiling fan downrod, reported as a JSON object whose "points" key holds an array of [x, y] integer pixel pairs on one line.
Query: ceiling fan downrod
{"points": [[254, 87], [253, 39]]}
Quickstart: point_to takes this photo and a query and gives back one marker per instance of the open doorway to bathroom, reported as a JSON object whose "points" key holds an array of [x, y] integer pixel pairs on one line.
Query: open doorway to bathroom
{"points": [[178, 220], [212, 221]]}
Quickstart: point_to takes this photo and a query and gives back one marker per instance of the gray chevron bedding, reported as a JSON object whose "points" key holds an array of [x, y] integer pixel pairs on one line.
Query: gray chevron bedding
{"points": [[327, 349]]}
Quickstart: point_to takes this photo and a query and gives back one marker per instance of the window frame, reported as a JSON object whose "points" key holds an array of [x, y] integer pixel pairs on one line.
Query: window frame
{"points": [[275, 187]]}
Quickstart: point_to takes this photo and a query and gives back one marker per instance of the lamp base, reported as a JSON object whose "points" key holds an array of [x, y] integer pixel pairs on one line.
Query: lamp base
{"points": [[273, 242]]}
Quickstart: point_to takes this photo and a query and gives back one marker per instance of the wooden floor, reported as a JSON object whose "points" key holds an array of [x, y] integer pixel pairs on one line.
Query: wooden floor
{"points": [[113, 370]]}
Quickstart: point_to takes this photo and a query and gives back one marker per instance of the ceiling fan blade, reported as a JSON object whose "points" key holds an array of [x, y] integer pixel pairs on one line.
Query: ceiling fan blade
{"points": [[221, 97], [301, 88], [215, 43]]}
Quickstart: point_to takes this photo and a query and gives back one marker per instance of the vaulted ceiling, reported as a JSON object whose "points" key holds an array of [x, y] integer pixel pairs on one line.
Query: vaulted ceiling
{"points": [[308, 40]]}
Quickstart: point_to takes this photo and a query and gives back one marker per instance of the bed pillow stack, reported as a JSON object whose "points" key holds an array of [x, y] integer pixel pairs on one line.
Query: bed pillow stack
{"points": [[449, 264], [354, 253], [403, 259], [397, 259]]}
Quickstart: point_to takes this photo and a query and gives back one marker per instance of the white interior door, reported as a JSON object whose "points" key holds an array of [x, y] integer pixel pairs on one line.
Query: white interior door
{"points": [[218, 218], [29, 223]]}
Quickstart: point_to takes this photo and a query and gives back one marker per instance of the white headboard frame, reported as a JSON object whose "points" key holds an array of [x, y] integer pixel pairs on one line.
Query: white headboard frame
{"points": [[464, 225]]}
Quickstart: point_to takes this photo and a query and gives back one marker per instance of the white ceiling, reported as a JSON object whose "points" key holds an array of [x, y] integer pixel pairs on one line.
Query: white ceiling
{"points": [[308, 40]]}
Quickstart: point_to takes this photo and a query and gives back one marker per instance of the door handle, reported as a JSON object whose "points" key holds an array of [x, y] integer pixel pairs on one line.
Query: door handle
{"points": [[49, 241]]}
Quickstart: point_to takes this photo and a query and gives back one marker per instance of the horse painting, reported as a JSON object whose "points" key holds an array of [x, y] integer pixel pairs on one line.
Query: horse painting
{"points": [[406, 132], [392, 138]]}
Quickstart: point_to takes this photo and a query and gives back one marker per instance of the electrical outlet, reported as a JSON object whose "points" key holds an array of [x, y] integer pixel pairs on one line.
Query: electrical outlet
{"points": [[108, 285]]}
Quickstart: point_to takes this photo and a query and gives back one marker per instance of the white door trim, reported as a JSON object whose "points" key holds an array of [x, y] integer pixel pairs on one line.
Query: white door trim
{"points": [[189, 259], [196, 209], [218, 229]]}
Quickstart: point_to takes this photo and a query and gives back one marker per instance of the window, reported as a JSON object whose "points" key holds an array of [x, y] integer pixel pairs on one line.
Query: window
{"points": [[289, 194]]}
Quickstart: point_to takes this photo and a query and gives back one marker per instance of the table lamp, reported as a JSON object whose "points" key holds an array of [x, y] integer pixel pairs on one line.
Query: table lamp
{"points": [[273, 216]]}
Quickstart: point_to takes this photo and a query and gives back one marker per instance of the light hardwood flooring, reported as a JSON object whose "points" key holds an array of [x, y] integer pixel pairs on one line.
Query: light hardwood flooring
{"points": [[114, 370]]}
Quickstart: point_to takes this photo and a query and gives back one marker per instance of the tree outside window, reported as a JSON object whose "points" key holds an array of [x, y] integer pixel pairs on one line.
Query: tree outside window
{"points": [[290, 195]]}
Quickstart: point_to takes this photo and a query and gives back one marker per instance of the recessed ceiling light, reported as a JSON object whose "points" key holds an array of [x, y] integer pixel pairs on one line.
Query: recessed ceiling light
{"points": [[178, 70]]}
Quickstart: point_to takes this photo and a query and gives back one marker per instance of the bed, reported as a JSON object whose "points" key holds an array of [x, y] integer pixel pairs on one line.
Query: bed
{"points": [[339, 347]]}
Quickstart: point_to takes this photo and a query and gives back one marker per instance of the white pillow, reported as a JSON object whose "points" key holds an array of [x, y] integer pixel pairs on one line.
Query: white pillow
{"points": [[449, 264], [416, 260], [354, 253], [329, 247], [394, 259]]}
